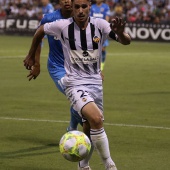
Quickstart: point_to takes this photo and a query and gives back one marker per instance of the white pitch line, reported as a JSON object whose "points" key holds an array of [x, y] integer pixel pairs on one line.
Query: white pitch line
{"points": [[138, 126], [107, 124]]}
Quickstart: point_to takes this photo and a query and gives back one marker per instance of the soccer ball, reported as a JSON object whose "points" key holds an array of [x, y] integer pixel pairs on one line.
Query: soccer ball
{"points": [[74, 146]]}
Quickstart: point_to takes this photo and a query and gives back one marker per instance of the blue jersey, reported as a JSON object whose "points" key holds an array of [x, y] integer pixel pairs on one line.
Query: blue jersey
{"points": [[47, 9], [100, 11], [55, 57]]}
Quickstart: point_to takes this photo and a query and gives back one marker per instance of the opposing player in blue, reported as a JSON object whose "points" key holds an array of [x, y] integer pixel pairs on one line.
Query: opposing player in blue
{"points": [[55, 66], [101, 10]]}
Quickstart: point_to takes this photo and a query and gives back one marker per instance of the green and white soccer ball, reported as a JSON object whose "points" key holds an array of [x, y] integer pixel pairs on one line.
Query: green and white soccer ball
{"points": [[74, 146]]}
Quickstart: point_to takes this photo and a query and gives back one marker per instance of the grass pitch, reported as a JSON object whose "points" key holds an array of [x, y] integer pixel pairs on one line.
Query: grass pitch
{"points": [[34, 115]]}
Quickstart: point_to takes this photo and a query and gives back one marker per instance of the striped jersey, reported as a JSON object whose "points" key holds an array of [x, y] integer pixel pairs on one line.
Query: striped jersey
{"points": [[82, 48]]}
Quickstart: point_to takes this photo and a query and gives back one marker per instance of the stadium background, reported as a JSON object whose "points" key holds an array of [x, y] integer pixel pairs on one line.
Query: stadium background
{"points": [[34, 115], [147, 19]]}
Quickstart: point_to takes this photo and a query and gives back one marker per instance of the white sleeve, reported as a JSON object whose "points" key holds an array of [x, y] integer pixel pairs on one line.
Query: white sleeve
{"points": [[53, 28], [105, 26]]}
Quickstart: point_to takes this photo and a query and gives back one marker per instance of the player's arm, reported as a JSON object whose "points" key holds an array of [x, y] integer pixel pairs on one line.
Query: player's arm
{"points": [[34, 52], [35, 69], [118, 27], [35, 61]]}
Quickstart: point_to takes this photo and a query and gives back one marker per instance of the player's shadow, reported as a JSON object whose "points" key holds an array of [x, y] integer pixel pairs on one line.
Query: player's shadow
{"points": [[51, 148]]}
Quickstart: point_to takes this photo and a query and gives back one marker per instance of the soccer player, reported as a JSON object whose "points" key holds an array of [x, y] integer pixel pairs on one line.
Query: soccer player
{"points": [[55, 64], [82, 38], [101, 10]]}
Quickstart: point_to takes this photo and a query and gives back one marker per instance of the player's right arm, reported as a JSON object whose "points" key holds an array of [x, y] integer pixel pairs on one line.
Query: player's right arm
{"points": [[53, 28], [35, 69], [34, 62], [34, 47]]}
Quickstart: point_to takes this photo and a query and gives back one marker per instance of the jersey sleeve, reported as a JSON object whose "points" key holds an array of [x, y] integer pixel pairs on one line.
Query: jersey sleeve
{"points": [[53, 28], [106, 29], [104, 26]]}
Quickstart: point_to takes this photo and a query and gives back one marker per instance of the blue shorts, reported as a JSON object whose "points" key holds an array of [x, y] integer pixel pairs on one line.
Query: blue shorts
{"points": [[56, 74]]}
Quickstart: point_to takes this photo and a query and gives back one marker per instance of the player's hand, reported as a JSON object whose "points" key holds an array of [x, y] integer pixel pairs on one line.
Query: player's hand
{"points": [[29, 62], [117, 25], [35, 71]]}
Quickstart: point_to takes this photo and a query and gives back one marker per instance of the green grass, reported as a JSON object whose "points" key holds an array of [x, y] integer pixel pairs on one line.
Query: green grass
{"points": [[136, 92]]}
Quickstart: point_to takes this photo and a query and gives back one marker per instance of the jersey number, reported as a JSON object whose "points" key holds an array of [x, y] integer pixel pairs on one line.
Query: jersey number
{"points": [[83, 93]]}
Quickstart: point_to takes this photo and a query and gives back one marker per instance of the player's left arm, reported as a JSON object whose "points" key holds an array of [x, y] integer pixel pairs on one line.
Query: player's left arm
{"points": [[118, 26]]}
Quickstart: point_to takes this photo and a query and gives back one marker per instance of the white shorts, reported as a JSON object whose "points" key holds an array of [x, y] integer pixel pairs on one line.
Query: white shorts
{"points": [[80, 95]]}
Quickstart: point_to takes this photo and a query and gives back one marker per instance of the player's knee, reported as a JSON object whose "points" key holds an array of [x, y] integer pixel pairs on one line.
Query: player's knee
{"points": [[97, 122]]}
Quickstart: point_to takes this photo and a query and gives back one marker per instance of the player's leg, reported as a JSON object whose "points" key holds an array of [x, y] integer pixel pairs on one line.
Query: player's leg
{"points": [[84, 164], [87, 108], [98, 134], [75, 119], [105, 44]]}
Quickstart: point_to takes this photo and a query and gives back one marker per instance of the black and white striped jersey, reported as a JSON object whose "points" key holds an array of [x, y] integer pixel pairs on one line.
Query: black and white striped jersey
{"points": [[82, 48]]}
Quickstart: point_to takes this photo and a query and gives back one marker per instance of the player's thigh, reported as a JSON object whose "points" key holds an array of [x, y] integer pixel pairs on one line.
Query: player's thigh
{"points": [[79, 97], [87, 100], [93, 114]]}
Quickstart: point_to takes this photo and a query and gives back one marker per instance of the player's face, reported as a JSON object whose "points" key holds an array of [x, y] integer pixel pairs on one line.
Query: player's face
{"points": [[65, 4], [81, 10]]}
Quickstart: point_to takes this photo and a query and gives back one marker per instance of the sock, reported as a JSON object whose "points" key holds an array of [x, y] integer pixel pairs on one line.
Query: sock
{"points": [[103, 60], [100, 142], [102, 66], [85, 162]]}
